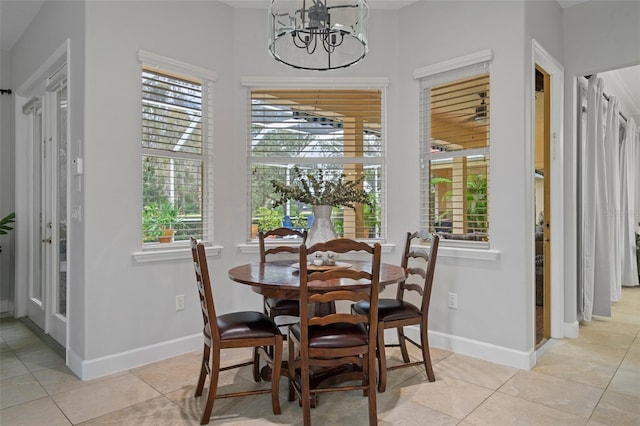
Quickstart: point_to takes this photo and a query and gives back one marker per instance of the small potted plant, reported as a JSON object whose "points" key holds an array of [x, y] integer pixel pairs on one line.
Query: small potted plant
{"points": [[167, 219]]}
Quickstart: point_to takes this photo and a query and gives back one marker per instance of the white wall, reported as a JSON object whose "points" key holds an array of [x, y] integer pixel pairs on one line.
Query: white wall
{"points": [[131, 307], [494, 318]]}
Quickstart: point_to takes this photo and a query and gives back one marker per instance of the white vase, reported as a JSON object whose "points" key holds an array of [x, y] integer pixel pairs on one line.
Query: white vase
{"points": [[322, 229]]}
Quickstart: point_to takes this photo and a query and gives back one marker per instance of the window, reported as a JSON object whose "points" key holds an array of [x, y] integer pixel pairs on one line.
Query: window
{"points": [[337, 130], [176, 140], [455, 110]]}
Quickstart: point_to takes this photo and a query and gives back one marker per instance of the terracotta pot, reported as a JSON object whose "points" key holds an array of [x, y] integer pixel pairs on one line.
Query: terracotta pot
{"points": [[167, 236]]}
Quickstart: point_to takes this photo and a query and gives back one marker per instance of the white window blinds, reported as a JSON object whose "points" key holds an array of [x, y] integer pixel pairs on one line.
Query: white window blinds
{"points": [[455, 136], [337, 130], [174, 155]]}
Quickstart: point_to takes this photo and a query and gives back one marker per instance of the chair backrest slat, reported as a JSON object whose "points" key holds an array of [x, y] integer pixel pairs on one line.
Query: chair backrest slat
{"points": [[420, 266], [279, 232], [204, 289]]}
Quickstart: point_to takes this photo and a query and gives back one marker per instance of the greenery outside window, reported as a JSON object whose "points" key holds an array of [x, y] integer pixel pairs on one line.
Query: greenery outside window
{"points": [[337, 130], [455, 136], [176, 139]]}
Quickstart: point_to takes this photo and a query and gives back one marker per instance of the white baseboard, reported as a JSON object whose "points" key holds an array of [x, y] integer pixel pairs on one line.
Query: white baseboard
{"points": [[91, 369], [6, 306], [571, 329], [473, 348]]}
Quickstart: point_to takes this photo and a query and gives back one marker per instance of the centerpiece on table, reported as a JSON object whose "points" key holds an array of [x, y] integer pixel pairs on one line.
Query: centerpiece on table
{"points": [[324, 192]]}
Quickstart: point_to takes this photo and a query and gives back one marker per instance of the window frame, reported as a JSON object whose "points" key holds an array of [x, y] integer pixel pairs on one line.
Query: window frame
{"points": [[206, 78], [275, 83], [427, 77]]}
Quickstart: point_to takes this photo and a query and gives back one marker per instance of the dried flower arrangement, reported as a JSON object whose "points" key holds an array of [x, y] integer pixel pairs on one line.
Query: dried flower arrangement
{"points": [[320, 188]]}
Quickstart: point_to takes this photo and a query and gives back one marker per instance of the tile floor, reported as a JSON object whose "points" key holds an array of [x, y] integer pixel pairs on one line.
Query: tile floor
{"points": [[592, 380]]}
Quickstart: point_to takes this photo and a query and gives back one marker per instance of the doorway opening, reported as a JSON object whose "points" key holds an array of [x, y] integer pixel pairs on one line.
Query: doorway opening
{"points": [[542, 182]]}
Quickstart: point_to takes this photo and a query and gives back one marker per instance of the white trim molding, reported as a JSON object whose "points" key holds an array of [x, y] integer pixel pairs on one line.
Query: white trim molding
{"points": [[314, 82], [455, 63], [168, 64]]}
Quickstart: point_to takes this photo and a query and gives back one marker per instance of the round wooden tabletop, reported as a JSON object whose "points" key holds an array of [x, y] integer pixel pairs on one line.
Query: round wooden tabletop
{"points": [[281, 278]]}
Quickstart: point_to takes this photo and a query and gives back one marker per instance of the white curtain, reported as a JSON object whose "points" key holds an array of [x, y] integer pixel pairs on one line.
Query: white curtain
{"points": [[610, 204], [629, 201]]}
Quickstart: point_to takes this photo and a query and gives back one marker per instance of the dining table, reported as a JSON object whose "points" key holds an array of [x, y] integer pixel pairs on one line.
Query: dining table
{"points": [[281, 279]]}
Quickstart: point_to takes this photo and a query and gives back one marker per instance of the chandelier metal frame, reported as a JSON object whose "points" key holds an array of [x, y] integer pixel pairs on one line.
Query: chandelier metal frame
{"points": [[318, 34]]}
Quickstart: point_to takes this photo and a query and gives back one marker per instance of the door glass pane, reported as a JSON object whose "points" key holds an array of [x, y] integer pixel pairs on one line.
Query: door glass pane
{"points": [[61, 290], [37, 282]]}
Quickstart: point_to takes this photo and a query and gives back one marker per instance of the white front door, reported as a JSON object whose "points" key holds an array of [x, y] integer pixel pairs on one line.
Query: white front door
{"points": [[46, 301]]}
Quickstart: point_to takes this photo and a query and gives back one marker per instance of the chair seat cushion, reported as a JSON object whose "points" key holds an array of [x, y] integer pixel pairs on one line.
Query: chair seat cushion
{"points": [[243, 325], [341, 335], [390, 309], [288, 304]]}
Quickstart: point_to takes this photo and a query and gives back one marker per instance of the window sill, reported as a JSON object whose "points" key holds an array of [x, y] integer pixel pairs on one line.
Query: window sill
{"points": [[473, 253], [172, 252]]}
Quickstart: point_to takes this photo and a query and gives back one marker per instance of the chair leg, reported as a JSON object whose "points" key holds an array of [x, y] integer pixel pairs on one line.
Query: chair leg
{"points": [[426, 356], [403, 345], [291, 368], [203, 370], [306, 391], [382, 359], [371, 377], [213, 387], [256, 365], [275, 374]]}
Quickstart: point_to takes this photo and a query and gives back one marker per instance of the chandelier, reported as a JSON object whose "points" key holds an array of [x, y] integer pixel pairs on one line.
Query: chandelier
{"points": [[318, 34]]}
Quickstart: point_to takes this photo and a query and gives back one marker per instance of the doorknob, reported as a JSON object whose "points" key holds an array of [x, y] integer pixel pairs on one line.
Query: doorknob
{"points": [[47, 240]]}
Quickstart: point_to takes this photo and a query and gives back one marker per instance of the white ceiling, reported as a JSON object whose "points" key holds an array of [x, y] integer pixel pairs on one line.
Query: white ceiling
{"points": [[16, 15]]}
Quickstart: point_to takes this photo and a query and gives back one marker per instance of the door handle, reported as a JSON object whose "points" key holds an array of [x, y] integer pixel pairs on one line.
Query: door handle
{"points": [[47, 240]]}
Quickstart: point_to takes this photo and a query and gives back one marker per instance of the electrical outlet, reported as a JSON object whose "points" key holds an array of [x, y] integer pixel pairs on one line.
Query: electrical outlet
{"points": [[179, 302], [453, 300]]}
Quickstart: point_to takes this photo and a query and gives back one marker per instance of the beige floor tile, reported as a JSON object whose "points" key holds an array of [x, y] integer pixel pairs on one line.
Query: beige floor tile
{"points": [[631, 360], [473, 370], [19, 389], [11, 366], [171, 374], [12, 329], [97, 399], [565, 395], [589, 352], [448, 395], [38, 412], [609, 325], [606, 338], [158, 411], [627, 382], [395, 410], [59, 379], [37, 356], [506, 410], [578, 370], [622, 401]]}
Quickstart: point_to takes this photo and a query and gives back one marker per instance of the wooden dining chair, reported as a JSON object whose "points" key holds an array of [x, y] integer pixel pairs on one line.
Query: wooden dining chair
{"points": [[275, 307], [325, 338], [234, 330], [401, 312]]}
